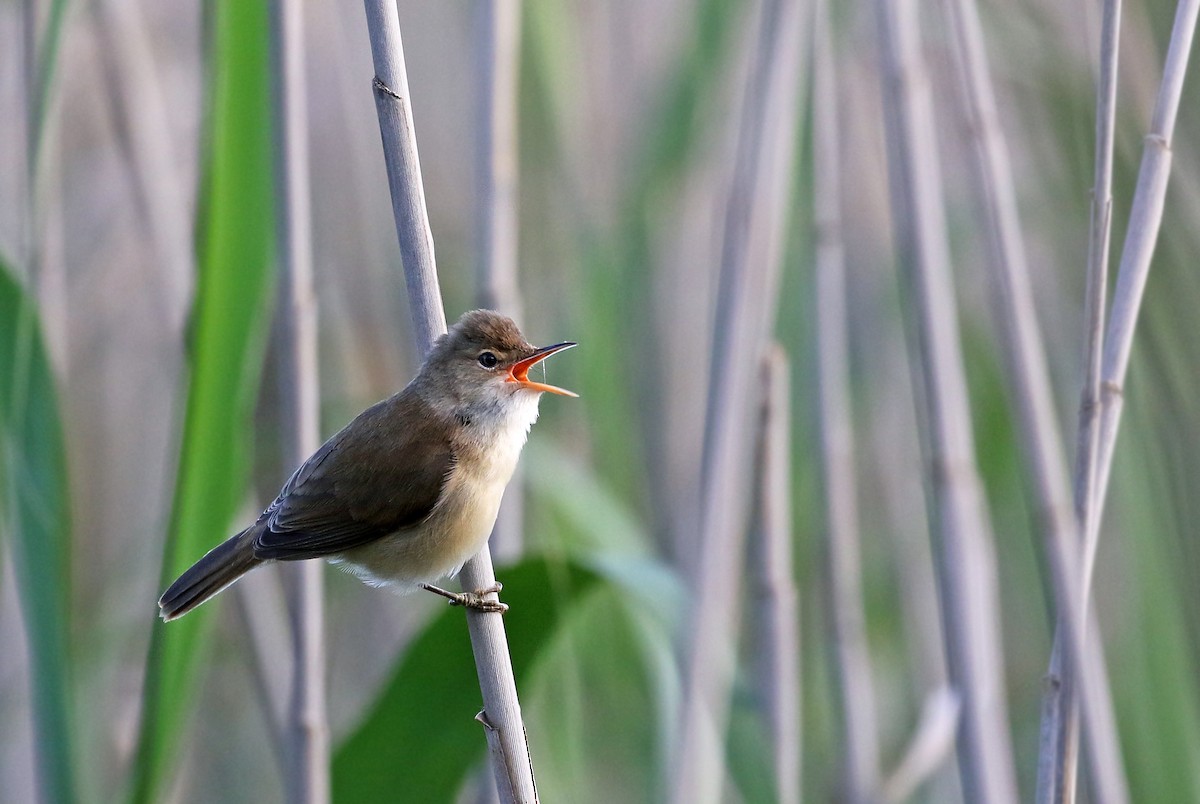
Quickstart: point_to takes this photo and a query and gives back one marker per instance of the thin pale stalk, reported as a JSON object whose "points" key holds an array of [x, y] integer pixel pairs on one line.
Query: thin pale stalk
{"points": [[967, 572], [511, 764], [1145, 219], [1041, 439], [307, 774], [777, 600], [1099, 242], [143, 130], [258, 603], [912, 554], [847, 619], [1141, 237], [931, 744], [750, 269], [497, 51], [1058, 756], [497, 56]]}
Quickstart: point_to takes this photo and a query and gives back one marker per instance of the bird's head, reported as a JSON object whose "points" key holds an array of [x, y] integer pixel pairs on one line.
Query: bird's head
{"points": [[484, 361]]}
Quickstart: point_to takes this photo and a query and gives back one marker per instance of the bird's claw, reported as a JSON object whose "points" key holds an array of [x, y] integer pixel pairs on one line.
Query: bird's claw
{"points": [[472, 600]]}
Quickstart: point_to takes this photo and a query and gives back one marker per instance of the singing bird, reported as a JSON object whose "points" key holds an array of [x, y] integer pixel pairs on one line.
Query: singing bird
{"points": [[407, 492]]}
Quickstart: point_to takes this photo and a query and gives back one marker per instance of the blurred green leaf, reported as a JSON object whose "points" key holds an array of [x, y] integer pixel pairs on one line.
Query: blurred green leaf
{"points": [[617, 308], [37, 518], [420, 740], [573, 514], [594, 706], [590, 517], [1153, 665], [747, 749], [229, 330]]}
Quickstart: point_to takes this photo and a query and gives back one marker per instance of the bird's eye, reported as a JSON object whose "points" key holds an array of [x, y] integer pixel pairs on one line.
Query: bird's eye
{"points": [[488, 360]]}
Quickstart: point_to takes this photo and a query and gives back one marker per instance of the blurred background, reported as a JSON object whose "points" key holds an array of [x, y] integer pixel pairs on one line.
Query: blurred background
{"points": [[135, 168]]}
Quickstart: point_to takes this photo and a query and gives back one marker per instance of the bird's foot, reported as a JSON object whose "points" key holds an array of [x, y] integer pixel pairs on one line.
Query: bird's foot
{"points": [[472, 600]]}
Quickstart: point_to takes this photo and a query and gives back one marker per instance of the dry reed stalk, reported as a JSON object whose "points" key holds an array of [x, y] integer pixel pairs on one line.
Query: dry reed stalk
{"points": [[1141, 236], [967, 577], [851, 653], [750, 268], [259, 604], [912, 554], [777, 600], [509, 752], [1030, 380], [307, 774], [497, 51], [1099, 241], [1059, 750], [1097, 443], [143, 131], [1103, 392], [932, 742], [497, 56]]}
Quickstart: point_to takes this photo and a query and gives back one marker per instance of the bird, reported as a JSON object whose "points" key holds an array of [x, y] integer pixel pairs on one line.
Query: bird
{"points": [[409, 490]]}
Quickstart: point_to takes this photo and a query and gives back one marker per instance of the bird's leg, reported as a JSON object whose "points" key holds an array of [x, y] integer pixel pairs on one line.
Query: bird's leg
{"points": [[471, 600]]}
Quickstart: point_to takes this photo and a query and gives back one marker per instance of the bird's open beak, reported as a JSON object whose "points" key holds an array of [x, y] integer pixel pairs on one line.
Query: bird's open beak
{"points": [[520, 370]]}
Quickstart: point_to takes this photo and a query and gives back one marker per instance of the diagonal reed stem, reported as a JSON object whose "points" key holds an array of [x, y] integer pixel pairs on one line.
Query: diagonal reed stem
{"points": [[511, 764], [393, 105], [1097, 442], [1059, 754], [1141, 236]]}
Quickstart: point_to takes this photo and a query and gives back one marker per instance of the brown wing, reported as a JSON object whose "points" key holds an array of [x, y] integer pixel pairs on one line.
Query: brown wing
{"points": [[381, 474]]}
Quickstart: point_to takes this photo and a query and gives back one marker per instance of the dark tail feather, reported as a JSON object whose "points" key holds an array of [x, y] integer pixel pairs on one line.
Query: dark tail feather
{"points": [[221, 566]]}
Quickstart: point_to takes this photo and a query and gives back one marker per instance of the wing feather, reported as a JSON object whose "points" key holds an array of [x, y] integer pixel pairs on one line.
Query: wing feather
{"points": [[382, 474]]}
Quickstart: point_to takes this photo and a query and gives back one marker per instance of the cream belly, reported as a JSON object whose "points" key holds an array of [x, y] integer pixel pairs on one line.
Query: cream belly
{"points": [[439, 546], [462, 520]]}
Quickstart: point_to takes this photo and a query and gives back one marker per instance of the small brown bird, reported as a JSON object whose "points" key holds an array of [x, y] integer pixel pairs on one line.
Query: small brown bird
{"points": [[408, 491]]}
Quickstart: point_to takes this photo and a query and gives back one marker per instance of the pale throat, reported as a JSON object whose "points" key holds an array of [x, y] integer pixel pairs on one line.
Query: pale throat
{"points": [[495, 433]]}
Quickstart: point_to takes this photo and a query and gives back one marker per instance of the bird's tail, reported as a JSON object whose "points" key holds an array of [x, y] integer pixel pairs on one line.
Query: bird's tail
{"points": [[221, 566]]}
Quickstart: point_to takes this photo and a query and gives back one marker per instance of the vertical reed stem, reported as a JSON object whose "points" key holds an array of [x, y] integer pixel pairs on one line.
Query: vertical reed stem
{"points": [[750, 267], [497, 57], [144, 133], [1057, 773], [308, 733], [777, 600], [847, 619], [967, 572]]}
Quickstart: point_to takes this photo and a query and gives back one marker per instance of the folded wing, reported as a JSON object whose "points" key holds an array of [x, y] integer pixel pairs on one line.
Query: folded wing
{"points": [[379, 477]]}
